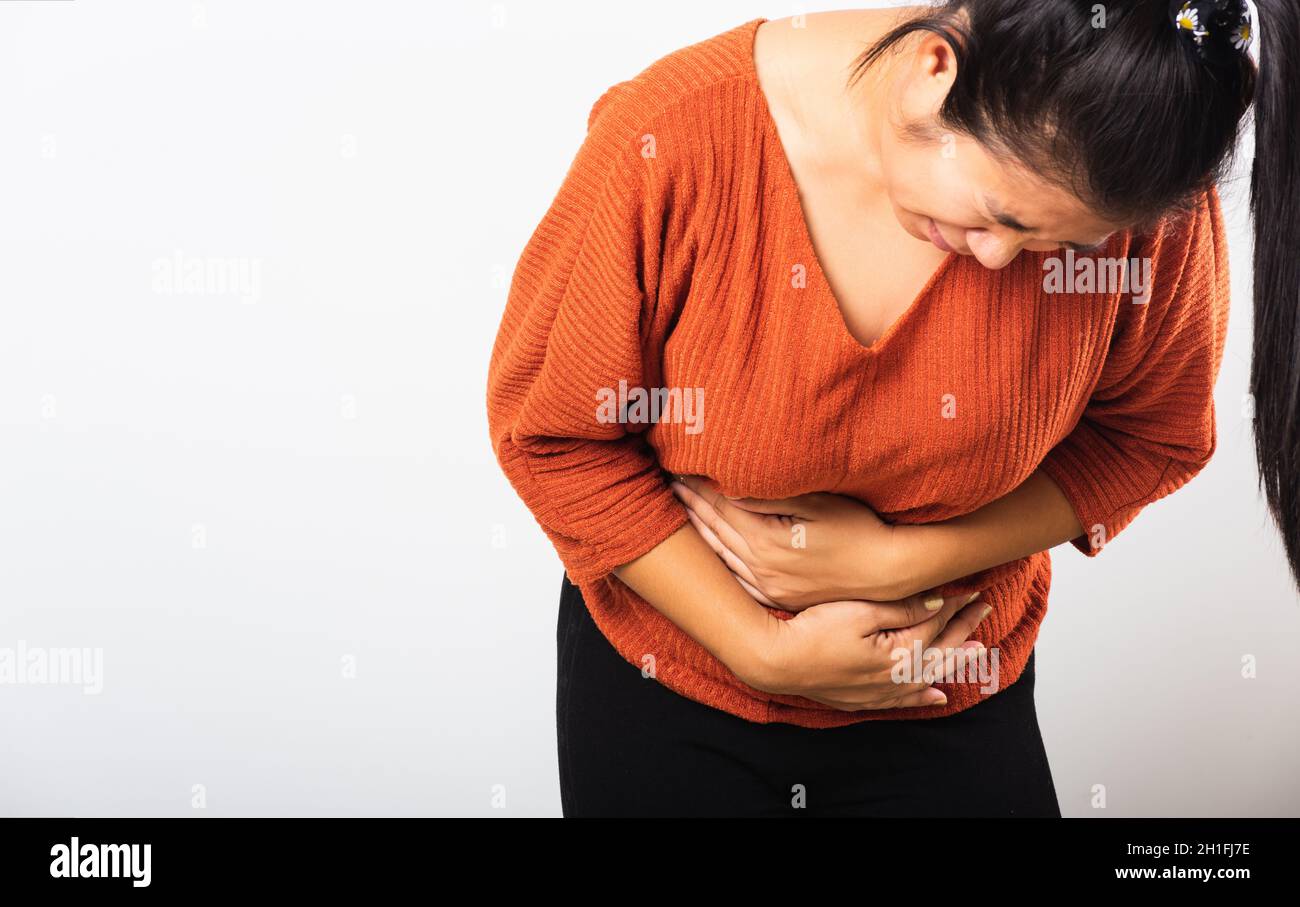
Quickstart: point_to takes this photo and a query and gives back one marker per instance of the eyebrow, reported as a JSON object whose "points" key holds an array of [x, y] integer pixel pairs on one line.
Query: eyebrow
{"points": [[1007, 220]]}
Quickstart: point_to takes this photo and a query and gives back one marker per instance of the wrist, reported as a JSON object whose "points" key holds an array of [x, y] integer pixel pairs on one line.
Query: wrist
{"points": [[755, 658], [906, 558]]}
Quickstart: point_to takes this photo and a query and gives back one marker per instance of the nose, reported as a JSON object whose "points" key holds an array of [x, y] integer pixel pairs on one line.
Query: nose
{"points": [[994, 251]]}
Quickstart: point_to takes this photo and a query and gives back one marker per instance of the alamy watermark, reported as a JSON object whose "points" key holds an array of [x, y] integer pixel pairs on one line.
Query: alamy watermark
{"points": [[189, 275], [26, 664], [75, 860], [642, 405], [926, 665], [1090, 274]]}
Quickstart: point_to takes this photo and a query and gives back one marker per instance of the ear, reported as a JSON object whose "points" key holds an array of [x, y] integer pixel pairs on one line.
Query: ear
{"points": [[936, 62]]}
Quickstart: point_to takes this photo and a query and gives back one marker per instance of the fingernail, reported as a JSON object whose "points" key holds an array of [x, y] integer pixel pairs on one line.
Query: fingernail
{"points": [[934, 603], [974, 595], [942, 700], [985, 613]]}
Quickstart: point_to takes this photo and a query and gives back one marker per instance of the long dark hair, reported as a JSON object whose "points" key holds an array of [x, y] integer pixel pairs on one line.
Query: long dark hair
{"points": [[1109, 102]]}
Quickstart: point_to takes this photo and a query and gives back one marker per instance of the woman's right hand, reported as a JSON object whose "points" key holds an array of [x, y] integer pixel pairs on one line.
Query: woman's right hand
{"points": [[840, 653]]}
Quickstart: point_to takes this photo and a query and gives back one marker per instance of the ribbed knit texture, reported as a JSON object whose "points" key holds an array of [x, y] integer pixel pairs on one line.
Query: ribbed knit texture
{"points": [[676, 255]]}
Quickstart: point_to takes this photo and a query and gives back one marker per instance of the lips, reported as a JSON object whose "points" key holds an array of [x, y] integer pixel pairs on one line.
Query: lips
{"points": [[936, 237]]}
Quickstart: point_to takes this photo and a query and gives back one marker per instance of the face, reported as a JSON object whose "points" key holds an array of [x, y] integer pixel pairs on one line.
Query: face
{"points": [[950, 191]]}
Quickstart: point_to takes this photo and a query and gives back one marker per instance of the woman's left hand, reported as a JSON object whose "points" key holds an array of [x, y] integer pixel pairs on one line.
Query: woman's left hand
{"points": [[796, 552]]}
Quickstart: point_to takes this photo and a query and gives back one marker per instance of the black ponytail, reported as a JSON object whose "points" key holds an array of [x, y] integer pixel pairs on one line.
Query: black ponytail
{"points": [[1275, 208]]}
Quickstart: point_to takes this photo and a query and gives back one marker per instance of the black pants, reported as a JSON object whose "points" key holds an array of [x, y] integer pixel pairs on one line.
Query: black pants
{"points": [[630, 746]]}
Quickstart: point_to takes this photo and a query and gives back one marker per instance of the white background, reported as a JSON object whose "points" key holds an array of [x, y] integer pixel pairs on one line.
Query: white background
{"points": [[383, 165]]}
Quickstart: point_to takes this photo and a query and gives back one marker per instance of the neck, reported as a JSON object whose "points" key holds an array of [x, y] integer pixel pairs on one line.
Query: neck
{"points": [[842, 124], [865, 107]]}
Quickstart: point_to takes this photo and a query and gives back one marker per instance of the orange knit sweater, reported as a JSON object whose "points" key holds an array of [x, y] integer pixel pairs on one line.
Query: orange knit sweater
{"points": [[676, 256]]}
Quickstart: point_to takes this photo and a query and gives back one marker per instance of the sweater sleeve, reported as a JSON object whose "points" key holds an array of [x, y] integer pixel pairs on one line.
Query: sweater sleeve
{"points": [[1149, 425], [583, 314]]}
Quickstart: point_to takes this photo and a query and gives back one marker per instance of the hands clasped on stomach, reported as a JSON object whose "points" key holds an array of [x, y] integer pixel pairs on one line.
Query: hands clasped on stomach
{"points": [[836, 565]]}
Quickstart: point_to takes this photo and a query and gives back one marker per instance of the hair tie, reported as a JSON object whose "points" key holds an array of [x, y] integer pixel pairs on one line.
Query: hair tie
{"points": [[1216, 29]]}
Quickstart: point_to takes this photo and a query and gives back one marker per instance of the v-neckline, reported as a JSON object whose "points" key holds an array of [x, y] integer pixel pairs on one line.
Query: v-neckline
{"points": [[804, 232]]}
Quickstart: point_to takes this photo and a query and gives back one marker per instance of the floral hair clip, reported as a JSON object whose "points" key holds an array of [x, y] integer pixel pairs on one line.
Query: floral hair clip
{"points": [[1215, 28]]}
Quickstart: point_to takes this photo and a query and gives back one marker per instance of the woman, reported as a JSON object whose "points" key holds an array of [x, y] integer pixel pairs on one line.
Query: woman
{"points": [[902, 319]]}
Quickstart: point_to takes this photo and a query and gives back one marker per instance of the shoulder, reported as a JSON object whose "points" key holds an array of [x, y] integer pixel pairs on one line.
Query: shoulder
{"points": [[652, 138], [1185, 254], [678, 82], [1190, 241]]}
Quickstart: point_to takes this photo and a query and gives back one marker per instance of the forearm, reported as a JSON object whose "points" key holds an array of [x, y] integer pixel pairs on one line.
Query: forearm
{"points": [[1034, 517], [686, 582]]}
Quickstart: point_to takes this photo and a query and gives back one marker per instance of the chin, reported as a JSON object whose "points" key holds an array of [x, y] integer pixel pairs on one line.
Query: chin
{"points": [[914, 224]]}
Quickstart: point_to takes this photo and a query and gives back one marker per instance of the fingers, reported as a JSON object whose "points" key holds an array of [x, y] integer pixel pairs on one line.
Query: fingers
{"points": [[960, 628], [958, 661], [930, 630], [759, 596], [921, 609], [926, 698], [734, 563], [953, 641], [709, 498], [956, 643], [715, 512]]}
